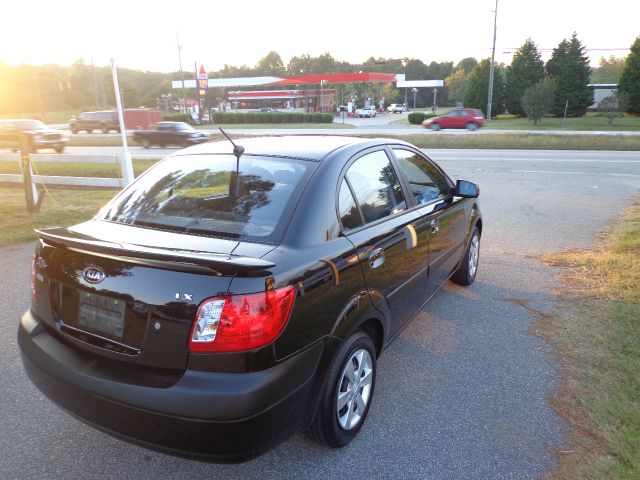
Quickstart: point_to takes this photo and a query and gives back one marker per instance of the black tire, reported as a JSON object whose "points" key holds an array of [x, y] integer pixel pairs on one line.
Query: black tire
{"points": [[466, 273], [104, 128], [73, 129], [471, 126], [146, 143], [435, 126], [326, 428]]}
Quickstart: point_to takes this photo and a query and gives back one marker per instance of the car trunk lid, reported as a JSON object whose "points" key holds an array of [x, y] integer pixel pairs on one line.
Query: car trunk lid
{"points": [[107, 293]]}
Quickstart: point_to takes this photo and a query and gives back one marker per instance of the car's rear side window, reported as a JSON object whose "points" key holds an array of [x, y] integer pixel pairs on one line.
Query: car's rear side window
{"points": [[425, 181], [205, 194], [376, 186], [349, 214]]}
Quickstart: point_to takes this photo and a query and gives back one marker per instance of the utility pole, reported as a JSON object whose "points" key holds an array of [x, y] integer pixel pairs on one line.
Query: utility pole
{"points": [[184, 92], [491, 67], [95, 85]]}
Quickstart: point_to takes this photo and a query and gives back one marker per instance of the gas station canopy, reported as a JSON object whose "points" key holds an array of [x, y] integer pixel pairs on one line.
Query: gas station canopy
{"points": [[296, 80]]}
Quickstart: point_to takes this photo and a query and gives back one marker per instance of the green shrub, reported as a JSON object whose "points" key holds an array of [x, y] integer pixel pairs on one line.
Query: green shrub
{"points": [[177, 117], [218, 117], [327, 118], [276, 117], [288, 117], [416, 118], [299, 117], [263, 117], [308, 117], [249, 117]]}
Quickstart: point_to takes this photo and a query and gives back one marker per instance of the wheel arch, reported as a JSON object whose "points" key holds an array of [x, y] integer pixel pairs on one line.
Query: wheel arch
{"points": [[363, 317]]}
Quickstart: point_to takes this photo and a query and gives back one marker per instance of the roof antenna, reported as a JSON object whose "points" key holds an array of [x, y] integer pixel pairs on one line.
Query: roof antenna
{"points": [[238, 150]]}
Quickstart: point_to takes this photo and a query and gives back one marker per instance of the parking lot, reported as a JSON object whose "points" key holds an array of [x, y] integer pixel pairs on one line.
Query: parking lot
{"points": [[462, 393]]}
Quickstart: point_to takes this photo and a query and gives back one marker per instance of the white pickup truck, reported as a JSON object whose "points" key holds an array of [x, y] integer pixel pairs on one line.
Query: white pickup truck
{"points": [[396, 108], [366, 112]]}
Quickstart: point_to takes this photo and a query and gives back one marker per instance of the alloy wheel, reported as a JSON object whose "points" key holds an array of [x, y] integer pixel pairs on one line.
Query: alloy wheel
{"points": [[354, 389]]}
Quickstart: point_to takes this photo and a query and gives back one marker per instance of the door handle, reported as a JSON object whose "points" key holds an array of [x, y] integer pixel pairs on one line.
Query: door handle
{"points": [[376, 258], [435, 226]]}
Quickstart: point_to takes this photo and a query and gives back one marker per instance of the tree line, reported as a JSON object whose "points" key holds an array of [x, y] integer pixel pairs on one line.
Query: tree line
{"points": [[526, 87], [529, 87]]}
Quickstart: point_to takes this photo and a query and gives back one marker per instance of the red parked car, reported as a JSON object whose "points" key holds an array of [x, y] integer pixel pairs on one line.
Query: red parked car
{"points": [[469, 118]]}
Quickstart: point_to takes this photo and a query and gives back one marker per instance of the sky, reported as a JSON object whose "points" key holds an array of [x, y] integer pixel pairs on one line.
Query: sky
{"points": [[141, 34]]}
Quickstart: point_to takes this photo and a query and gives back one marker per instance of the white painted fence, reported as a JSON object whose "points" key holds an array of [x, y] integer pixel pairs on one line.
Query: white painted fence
{"points": [[39, 158]]}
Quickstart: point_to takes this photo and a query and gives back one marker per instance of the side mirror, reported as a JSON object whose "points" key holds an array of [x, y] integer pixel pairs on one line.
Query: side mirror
{"points": [[466, 189]]}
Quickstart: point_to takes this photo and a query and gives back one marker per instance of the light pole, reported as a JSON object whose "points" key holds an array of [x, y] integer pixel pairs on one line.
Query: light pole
{"points": [[414, 90], [405, 61], [184, 92], [491, 67], [435, 99]]}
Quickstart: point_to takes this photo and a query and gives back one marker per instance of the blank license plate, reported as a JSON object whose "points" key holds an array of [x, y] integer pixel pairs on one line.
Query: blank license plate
{"points": [[102, 314]]}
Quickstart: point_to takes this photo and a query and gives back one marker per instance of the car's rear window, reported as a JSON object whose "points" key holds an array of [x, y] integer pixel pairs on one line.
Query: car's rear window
{"points": [[203, 194]]}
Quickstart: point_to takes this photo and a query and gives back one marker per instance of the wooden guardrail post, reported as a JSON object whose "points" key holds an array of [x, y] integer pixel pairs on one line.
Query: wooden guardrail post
{"points": [[30, 191]]}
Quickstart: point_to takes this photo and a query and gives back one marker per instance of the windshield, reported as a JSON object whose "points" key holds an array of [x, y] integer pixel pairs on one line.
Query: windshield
{"points": [[29, 124], [202, 194]]}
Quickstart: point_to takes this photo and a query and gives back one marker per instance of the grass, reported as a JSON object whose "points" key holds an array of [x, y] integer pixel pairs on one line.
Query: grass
{"points": [[520, 142], [106, 170], [47, 117], [590, 122], [60, 207], [597, 339]]}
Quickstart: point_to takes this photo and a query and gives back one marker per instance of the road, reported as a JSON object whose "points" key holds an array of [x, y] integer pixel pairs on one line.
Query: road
{"points": [[462, 393], [381, 124]]}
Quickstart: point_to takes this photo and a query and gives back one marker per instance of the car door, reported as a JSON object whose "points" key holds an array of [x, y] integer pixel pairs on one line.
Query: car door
{"points": [[457, 118], [442, 222], [448, 120], [375, 218]]}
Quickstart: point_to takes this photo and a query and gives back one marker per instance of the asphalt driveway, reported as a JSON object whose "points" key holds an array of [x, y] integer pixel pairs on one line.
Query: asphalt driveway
{"points": [[462, 393]]}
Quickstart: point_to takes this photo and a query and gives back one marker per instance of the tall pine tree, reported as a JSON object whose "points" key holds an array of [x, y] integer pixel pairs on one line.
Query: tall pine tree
{"points": [[630, 80], [569, 66], [477, 92], [526, 69]]}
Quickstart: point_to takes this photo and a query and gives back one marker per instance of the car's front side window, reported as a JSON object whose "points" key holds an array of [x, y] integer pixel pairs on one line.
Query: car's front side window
{"points": [[376, 186], [425, 181]]}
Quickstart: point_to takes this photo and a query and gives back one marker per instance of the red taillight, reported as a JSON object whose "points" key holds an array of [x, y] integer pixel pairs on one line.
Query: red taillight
{"points": [[34, 280], [240, 322]]}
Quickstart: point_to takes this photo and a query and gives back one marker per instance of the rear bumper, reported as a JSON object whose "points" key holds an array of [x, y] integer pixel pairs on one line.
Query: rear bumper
{"points": [[210, 416]]}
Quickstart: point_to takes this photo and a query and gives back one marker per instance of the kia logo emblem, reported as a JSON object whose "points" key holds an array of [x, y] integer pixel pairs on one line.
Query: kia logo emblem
{"points": [[93, 274]]}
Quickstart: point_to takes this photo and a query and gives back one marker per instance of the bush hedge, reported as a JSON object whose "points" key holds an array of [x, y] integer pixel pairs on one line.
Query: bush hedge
{"points": [[177, 117], [416, 118], [275, 117]]}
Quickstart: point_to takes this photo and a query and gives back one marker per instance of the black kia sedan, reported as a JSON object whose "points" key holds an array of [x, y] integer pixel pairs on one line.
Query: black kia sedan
{"points": [[230, 297]]}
